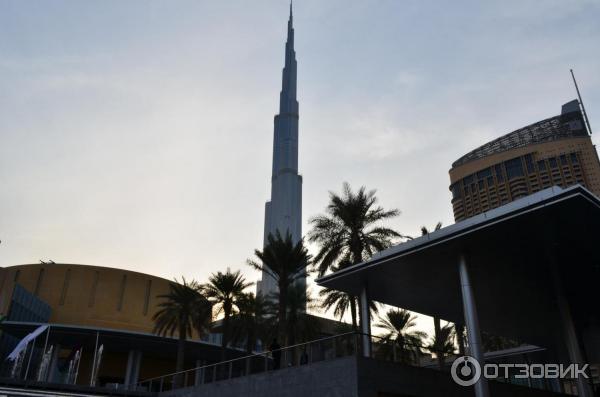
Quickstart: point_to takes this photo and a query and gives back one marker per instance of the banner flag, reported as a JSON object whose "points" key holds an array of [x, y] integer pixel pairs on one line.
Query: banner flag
{"points": [[25, 341]]}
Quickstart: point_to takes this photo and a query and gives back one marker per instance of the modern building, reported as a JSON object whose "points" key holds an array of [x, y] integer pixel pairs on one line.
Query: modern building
{"points": [[86, 308], [518, 271], [557, 151], [283, 213]]}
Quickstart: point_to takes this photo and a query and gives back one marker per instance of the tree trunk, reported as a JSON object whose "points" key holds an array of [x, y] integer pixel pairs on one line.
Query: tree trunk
{"points": [[357, 254], [437, 329], [178, 379], [460, 338], [281, 328], [225, 338], [353, 313]]}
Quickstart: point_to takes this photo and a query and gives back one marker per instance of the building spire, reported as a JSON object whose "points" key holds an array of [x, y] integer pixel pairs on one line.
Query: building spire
{"points": [[291, 20], [288, 102]]}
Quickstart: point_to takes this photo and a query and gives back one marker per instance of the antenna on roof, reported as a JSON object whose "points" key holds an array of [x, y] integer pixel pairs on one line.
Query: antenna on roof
{"points": [[587, 122]]}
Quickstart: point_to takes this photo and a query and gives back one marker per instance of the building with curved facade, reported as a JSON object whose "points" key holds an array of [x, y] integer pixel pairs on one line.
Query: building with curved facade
{"points": [[557, 151], [103, 313], [90, 296]]}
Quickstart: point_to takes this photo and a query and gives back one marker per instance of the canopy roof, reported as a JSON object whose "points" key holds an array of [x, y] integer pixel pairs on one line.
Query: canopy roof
{"points": [[509, 250], [118, 340]]}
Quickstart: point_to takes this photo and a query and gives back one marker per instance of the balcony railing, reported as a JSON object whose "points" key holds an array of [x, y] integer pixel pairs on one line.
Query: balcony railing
{"points": [[328, 348]]}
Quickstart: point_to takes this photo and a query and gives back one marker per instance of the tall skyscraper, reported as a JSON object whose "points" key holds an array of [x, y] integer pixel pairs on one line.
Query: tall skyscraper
{"points": [[283, 212]]}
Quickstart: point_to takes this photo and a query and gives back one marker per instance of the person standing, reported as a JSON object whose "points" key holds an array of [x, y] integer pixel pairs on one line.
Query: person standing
{"points": [[275, 353]]}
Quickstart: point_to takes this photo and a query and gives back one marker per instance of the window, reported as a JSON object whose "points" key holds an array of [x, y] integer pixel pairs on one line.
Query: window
{"points": [[499, 174], [455, 189], [490, 181], [574, 159], [468, 180], [484, 173], [480, 185], [514, 168], [553, 163], [541, 165], [563, 160], [529, 162]]}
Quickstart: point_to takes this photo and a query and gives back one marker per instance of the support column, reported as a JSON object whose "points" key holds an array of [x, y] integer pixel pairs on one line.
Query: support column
{"points": [[365, 322], [568, 327], [132, 373], [472, 323]]}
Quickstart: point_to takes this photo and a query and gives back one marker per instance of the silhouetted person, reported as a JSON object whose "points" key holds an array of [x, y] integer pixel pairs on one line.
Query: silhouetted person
{"points": [[276, 352], [304, 357]]}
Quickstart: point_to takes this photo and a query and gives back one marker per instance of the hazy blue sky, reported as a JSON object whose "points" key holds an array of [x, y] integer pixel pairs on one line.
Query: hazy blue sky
{"points": [[138, 134]]}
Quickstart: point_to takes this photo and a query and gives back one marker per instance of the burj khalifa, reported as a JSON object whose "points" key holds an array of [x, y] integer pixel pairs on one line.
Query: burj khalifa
{"points": [[283, 212]]}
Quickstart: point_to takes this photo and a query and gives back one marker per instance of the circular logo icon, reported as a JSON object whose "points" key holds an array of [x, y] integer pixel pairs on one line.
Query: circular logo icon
{"points": [[466, 371]]}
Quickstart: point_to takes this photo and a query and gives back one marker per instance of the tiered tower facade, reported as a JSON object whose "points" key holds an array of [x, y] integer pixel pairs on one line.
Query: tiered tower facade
{"points": [[283, 212]]}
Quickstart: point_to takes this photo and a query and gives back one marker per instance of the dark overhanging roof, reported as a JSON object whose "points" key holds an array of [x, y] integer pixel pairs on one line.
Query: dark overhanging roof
{"points": [[507, 250], [566, 125], [117, 340]]}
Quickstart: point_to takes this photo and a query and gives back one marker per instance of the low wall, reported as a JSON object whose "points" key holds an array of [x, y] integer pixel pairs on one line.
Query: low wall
{"points": [[333, 378], [350, 377], [386, 379]]}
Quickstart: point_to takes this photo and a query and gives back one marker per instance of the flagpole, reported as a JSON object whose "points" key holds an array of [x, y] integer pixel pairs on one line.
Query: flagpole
{"points": [[30, 355], [45, 346], [78, 362], [94, 362]]}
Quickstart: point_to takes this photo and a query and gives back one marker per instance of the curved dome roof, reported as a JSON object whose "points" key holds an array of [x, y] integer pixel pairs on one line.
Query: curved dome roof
{"points": [[566, 125]]}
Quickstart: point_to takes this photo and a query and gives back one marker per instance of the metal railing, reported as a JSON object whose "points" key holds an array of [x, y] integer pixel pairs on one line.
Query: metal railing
{"points": [[323, 349], [328, 348]]}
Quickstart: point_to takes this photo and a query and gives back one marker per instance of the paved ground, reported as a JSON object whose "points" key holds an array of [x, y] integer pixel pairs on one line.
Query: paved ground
{"points": [[13, 392]]}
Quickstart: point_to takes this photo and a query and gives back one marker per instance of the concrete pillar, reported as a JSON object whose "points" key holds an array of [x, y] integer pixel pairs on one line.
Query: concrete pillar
{"points": [[365, 322], [472, 323], [132, 372], [568, 327]]}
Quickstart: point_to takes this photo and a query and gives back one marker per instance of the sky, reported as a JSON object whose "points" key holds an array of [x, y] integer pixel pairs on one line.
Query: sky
{"points": [[138, 134]]}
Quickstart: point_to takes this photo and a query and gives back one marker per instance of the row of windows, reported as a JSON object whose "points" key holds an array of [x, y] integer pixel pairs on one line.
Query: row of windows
{"points": [[490, 187], [511, 169]]}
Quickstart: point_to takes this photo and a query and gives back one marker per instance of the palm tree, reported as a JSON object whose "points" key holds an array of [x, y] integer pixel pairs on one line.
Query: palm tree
{"points": [[183, 310], [401, 338], [425, 231], [341, 303], [350, 231], [442, 344], [299, 325], [459, 334], [494, 343], [252, 322], [286, 262], [224, 290]]}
